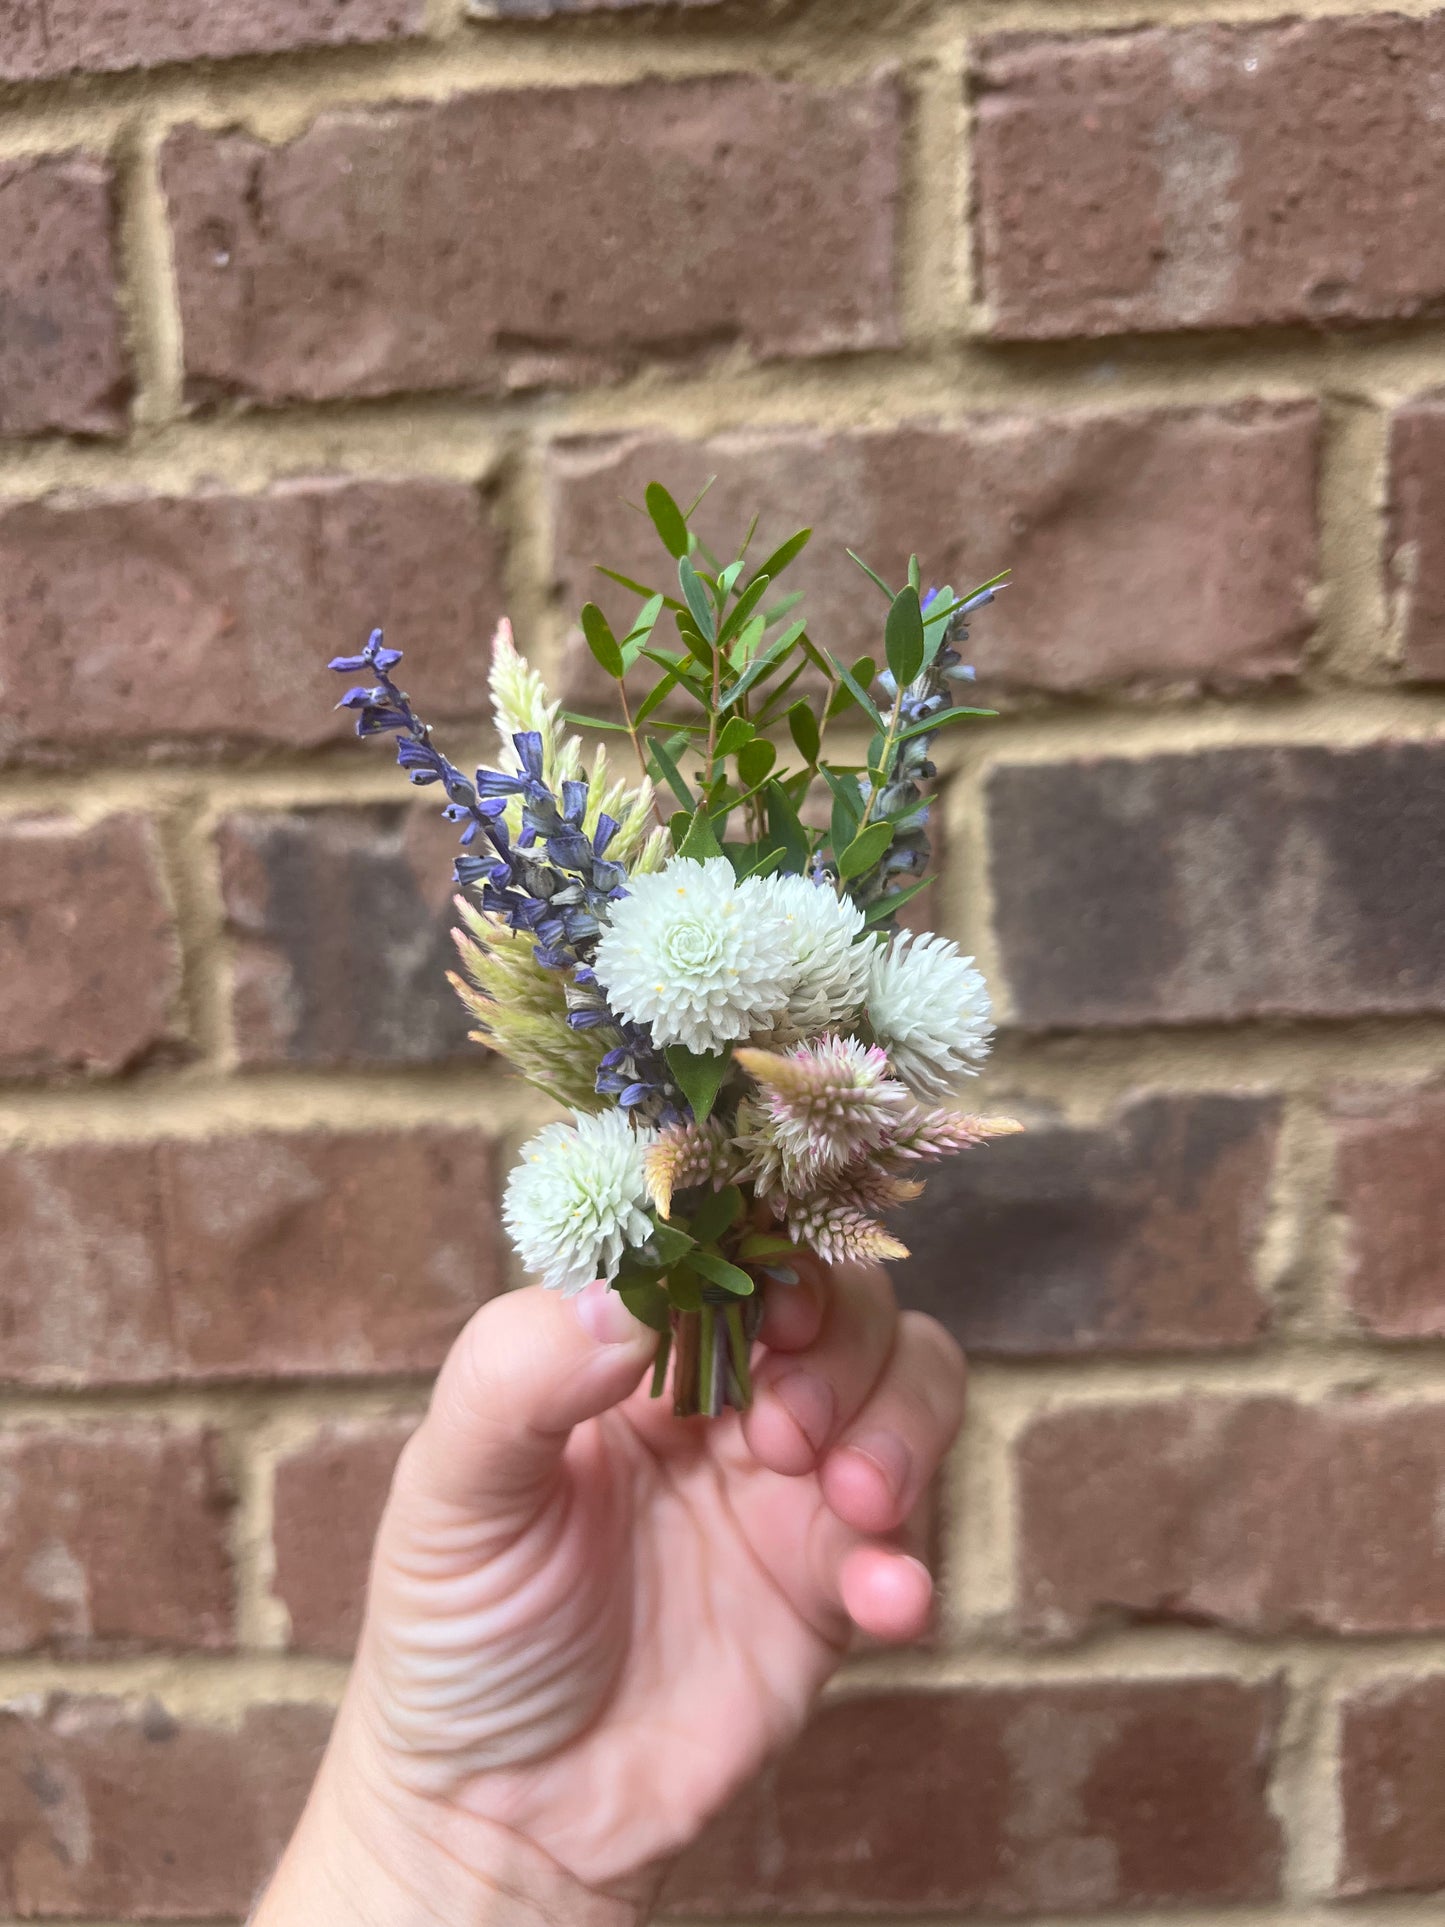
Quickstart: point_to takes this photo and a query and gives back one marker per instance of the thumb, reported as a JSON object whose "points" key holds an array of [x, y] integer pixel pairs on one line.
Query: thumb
{"points": [[527, 1368]]}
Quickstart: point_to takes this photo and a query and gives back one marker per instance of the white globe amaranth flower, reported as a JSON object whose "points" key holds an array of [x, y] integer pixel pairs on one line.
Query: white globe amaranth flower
{"points": [[575, 1201], [699, 957], [929, 1009], [830, 967]]}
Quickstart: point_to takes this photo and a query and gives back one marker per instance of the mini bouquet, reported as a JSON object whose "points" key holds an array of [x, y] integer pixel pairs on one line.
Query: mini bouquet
{"points": [[703, 966]]}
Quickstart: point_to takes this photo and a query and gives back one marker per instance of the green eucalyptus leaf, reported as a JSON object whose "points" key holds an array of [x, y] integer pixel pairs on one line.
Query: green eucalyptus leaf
{"points": [[872, 574], [857, 691], [803, 728], [889, 906], [684, 1288], [742, 609], [718, 1271], [636, 588], [671, 1243], [699, 1076], [696, 597], [784, 605], [785, 831], [761, 1245], [718, 1210], [903, 636], [785, 553], [700, 840], [943, 717], [668, 519], [672, 775], [735, 732], [727, 578], [915, 575], [593, 722], [754, 760], [648, 1303], [601, 641], [865, 850]]}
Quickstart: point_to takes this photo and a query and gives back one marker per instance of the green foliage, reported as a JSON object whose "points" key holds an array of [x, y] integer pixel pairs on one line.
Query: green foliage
{"points": [[751, 699]]}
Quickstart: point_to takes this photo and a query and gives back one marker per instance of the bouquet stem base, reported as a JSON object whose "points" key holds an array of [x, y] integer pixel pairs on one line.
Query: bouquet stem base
{"points": [[708, 1352]]}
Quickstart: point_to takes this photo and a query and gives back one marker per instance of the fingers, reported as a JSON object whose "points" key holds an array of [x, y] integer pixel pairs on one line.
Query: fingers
{"points": [[881, 1463], [528, 1367], [793, 1314], [886, 1594], [804, 1399]]}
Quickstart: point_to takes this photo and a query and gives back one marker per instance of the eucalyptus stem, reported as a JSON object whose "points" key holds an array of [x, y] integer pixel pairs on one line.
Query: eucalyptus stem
{"points": [[707, 1363], [890, 743]]}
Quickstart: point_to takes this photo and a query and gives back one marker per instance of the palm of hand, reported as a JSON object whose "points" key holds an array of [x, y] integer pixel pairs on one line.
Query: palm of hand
{"points": [[599, 1663]]}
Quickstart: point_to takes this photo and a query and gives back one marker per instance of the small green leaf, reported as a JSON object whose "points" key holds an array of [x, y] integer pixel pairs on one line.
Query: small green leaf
{"points": [[728, 577], [784, 605], [601, 641], [656, 696], [671, 1242], [742, 609], [785, 553], [648, 1303], [593, 722], [698, 648], [672, 775], [637, 588], [889, 906], [785, 831], [684, 1288], [762, 665], [759, 1245], [755, 760], [699, 1076], [864, 851], [716, 1269], [915, 576], [803, 728], [847, 810], [638, 636], [718, 1210], [697, 601], [735, 732], [856, 690], [872, 574], [765, 865], [903, 636], [668, 519], [700, 841], [938, 721]]}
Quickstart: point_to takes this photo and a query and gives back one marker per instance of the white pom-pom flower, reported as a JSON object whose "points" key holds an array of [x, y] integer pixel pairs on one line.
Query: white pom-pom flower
{"points": [[575, 1201], [929, 1009], [830, 967], [698, 956]]}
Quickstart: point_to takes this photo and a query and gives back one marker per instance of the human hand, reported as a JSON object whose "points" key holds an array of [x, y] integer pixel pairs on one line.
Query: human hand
{"points": [[590, 1622]]}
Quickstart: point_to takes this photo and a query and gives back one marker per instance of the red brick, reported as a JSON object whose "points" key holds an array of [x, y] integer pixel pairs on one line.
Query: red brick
{"points": [[1008, 1800], [1416, 547], [307, 1254], [122, 1810], [113, 1535], [1149, 548], [1134, 1236], [89, 959], [1391, 1152], [547, 234], [328, 1504], [1210, 177], [62, 358], [40, 38], [1204, 888], [1251, 1513], [342, 920], [210, 619], [1392, 1759]]}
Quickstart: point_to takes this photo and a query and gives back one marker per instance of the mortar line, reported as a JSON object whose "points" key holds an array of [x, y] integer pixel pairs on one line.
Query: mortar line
{"points": [[148, 276]]}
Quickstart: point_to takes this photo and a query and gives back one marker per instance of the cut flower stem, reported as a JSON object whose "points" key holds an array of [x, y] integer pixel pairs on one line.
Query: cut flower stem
{"points": [[709, 1354]]}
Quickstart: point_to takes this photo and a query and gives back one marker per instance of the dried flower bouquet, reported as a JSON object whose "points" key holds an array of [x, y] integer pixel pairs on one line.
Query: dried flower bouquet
{"points": [[752, 1053]]}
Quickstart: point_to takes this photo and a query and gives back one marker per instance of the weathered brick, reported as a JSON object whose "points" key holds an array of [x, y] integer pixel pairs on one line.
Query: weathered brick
{"points": [[1253, 1513], [62, 358], [40, 38], [229, 1257], [1391, 1152], [1210, 177], [1005, 1801], [210, 619], [1134, 1236], [113, 1535], [1416, 556], [547, 234], [328, 1504], [89, 960], [342, 922], [124, 1811], [1274, 882], [1155, 547], [1392, 1757], [537, 9]]}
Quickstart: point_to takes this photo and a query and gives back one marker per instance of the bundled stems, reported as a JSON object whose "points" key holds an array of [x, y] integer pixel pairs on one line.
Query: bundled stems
{"points": [[709, 1353]]}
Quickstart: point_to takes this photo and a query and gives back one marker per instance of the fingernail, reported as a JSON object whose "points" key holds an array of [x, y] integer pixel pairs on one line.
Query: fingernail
{"points": [[603, 1315], [808, 1401], [888, 1454]]}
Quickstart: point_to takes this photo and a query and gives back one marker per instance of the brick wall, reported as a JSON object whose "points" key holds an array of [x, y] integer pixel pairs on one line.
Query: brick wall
{"points": [[320, 312]]}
